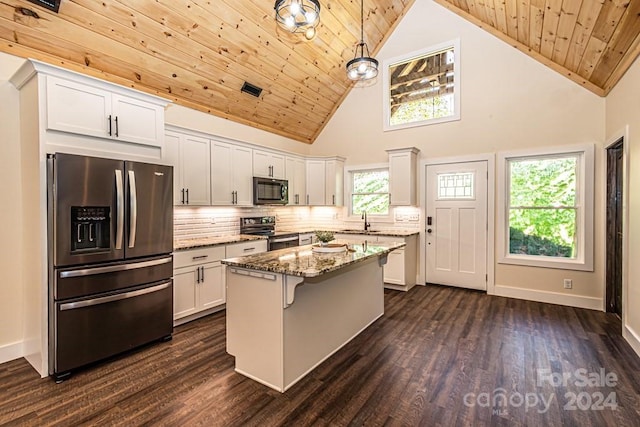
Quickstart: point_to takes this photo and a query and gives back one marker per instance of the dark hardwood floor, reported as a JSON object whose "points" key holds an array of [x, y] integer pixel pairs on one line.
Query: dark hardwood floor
{"points": [[439, 356]]}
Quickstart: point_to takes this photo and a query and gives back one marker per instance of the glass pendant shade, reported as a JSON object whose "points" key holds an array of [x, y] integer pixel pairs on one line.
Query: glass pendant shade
{"points": [[362, 66], [298, 16]]}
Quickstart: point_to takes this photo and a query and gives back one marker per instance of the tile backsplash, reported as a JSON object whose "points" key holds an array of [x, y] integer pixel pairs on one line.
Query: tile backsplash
{"points": [[194, 222]]}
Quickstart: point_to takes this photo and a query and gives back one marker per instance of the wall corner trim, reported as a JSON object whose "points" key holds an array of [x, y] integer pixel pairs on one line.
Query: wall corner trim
{"points": [[577, 301]]}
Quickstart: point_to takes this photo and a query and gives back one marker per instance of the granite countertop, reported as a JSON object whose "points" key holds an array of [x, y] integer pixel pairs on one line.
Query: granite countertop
{"points": [[303, 261], [391, 233], [184, 244]]}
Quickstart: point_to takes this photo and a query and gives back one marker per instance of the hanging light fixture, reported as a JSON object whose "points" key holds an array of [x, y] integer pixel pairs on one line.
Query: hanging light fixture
{"points": [[362, 66], [298, 16]]}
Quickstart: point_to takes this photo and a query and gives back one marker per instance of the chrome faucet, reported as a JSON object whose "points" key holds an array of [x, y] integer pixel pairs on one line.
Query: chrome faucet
{"points": [[366, 224]]}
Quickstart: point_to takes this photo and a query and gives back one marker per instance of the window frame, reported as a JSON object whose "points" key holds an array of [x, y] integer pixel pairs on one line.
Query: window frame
{"points": [[387, 63], [356, 216], [584, 208]]}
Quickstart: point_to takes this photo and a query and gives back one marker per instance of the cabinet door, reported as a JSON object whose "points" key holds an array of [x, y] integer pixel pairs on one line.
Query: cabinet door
{"points": [[137, 121], [211, 291], [277, 166], [221, 173], [171, 155], [334, 182], [261, 164], [393, 270], [300, 178], [290, 176], [77, 108], [402, 171], [243, 175], [184, 293], [315, 182], [196, 170]]}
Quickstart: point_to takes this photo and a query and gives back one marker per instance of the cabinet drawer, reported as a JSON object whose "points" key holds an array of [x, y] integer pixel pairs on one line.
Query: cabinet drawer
{"points": [[246, 248], [198, 256]]}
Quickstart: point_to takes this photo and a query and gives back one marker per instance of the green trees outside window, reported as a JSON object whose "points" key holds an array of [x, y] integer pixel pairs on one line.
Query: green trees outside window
{"points": [[370, 192], [542, 206]]}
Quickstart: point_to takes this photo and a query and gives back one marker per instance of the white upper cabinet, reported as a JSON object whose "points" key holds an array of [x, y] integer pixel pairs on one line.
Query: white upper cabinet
{"points": [[325, 181], [402, 176], [189, 156], [296, 175], [83, 109], [268, 165], [334, 182], [315, 182], [232, 172]]}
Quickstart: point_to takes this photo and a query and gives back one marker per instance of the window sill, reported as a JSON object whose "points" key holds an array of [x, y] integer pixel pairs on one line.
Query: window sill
{"points": [[546, 262]]}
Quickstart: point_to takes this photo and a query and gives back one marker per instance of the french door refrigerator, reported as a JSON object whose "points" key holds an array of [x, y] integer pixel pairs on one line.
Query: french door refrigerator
{"points": [[110, 241]]}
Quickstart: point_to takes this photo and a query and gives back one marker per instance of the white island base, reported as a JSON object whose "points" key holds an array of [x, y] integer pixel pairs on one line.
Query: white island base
{"points": [[280, 327]]}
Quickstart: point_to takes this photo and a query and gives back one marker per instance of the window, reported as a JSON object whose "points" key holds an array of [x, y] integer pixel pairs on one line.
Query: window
{"points": [[546, 208], [423, 87], [370, 191]]}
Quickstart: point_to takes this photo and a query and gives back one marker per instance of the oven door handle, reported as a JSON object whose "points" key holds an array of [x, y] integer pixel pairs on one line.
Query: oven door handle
{"points": [[113, 268], [284, 239], [112, 298]]}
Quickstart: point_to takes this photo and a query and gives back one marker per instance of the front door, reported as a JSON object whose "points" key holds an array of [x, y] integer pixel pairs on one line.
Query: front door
{"points": [[456, 224]]}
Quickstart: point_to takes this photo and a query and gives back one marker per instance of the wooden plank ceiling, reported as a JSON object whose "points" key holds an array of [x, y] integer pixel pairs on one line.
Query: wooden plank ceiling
{"points": [[199, 53], [593, 42]]}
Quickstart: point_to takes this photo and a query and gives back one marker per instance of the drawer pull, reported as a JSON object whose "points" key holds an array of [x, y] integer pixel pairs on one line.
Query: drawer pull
{"points": [[249, 249], [195, 258]]}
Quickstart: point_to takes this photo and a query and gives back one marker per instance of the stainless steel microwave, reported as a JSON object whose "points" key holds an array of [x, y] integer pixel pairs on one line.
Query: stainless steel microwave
{"points": [[269, 191]]}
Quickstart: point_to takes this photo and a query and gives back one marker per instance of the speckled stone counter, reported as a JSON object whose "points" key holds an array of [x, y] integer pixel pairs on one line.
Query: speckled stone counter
{"points": [[185, 244], [391, 233], [304, 262]]}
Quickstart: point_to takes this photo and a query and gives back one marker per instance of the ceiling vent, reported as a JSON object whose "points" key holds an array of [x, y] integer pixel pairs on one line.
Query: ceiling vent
{"points": [[251, 89], [48, 4]]}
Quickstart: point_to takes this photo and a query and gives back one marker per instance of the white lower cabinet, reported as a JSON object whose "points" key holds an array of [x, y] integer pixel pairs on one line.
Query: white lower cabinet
{"points": [[401, 267], [198, 282]]}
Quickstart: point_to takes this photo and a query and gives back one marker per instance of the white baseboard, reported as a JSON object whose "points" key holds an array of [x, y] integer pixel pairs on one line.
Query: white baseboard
{"points": [[550, 297], [11, 351], [632, 338]]}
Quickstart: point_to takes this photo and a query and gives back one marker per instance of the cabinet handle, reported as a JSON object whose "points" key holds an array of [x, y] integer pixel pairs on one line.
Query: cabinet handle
{"points": [[182, 191], [116, 126], [235, 197], [195, 258], [109, 124], [297, 199], [198, 275], [333, 199], [249, 249], [202, 276], [307, 199], [187, 191]]}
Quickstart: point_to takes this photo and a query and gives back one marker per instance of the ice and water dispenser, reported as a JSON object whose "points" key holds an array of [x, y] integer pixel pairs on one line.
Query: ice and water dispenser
{"points": [[90, 229]]}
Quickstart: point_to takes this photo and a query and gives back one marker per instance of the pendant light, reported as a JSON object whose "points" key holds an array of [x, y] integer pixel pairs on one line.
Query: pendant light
{"points": [[362, 66], [298, 16]]}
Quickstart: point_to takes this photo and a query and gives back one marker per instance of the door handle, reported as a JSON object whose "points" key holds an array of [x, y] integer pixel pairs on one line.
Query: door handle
{"points": [[113, 268], [119, 209], [112, 298], [133, 208]]}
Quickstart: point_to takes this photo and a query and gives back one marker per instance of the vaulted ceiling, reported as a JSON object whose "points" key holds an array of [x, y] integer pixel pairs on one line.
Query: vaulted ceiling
{"points": [[198, 53], [592, 42]]}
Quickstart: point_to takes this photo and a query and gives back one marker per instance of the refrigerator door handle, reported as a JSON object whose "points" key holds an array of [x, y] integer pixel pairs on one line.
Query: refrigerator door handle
{"points": [[119, 209], [111, 298], [113, 268], [133, 209]]}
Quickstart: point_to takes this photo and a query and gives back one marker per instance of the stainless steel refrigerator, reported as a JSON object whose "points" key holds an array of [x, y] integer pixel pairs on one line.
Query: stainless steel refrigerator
{"points": [[110, 241]]}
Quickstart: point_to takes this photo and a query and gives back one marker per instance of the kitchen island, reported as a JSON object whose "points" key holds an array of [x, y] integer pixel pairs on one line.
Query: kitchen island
{"points": [[289, 310]]}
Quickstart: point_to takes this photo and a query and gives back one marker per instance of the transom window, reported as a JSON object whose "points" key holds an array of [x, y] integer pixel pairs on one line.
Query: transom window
{"points": [[370, 192], [422, 87], [548, 209]]}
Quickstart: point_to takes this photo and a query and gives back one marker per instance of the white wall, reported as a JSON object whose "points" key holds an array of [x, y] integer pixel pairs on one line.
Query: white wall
{"points": [[508, 101], [11, 260], [623, 109]]}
